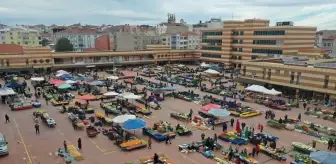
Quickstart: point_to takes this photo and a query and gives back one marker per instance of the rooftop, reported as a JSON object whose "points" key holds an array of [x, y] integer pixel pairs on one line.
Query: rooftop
{"points": [[6, 49]]}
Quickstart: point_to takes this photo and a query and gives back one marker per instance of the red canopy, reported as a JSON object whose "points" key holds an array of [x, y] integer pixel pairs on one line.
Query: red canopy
{"points": [[238, 126], [208, 107], [87, 97], [55, 81]]}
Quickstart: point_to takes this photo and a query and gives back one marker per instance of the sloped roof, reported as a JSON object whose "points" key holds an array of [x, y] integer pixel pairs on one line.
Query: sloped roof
{"points": [[11, 49]]}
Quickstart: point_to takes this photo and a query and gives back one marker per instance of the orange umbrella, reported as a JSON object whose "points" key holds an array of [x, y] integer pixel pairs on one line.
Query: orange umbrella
{"points": [[87, 97]]}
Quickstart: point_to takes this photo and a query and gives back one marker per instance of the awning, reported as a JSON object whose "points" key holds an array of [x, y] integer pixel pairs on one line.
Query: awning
{"points": [[248, 81]]}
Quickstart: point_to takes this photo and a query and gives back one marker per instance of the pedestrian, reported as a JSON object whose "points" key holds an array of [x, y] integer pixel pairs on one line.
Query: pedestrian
{"points": [[257, 149], [330, 144], [65, 146], [202, 136], [304, 105], [149, 143], [261, 128], [7, 118], [37, 128], [243, 125], [224, 127], [253, 151], [299, 117], [314, 144], [79, 143], [106, 113], [190, 114], [215, 137], [232, 121], [46, 101], [168, 140]]}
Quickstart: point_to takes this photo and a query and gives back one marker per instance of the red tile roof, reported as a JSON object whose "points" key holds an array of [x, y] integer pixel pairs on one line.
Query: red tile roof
{"points": [[11, 49], [79, 31]]}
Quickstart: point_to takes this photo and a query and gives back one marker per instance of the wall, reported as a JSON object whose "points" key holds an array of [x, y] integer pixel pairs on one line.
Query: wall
{"points": [[102, 43], [123, 41]]}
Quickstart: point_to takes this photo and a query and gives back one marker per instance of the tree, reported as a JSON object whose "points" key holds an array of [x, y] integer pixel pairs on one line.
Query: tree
{"points": [[63, 45], [44, 42]]}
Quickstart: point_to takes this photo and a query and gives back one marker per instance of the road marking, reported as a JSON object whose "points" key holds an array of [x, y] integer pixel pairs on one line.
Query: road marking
{"points": [[184, 156], [147, 117], [24, 145], [110, 152], [102, 150]]}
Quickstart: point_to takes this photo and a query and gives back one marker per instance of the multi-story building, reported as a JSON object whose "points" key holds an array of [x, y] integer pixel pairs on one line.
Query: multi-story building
{"points": [[325, 39], [171, 27], [20, 35], [80, 38], [255, 39], [125, 41], [213, 23], [184, 40]]}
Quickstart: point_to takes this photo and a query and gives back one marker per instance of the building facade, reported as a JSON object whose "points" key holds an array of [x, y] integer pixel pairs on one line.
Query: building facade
{"points": [[325, 39], [20, 35], [80, 38], [254, 39], [185, 40], [213, 23]]}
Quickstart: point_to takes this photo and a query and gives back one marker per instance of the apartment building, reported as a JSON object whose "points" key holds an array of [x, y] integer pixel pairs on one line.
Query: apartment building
{"points": [[20, 35], [255, 39], [213, 23], [125, 41], [184, 40], [171, 27], [325, 39], [80, 38]]}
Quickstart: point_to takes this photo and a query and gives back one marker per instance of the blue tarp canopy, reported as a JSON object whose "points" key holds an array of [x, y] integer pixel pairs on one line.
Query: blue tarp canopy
{"points": [[323, 157], [215, 68], [97, 83], [134, 124], [14, 85], [65, 76]]}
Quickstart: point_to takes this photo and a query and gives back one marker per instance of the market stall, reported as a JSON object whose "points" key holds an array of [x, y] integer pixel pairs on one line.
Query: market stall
{"points": [[233, 138], [160, 131], [150, 160], [180, 116]]}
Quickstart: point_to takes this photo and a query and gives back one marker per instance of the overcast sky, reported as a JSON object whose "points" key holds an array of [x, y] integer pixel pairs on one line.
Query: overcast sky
{"points": [[320, 13]]}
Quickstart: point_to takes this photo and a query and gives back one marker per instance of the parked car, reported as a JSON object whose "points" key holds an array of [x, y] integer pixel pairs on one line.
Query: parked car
{"points": [[3, 145]]}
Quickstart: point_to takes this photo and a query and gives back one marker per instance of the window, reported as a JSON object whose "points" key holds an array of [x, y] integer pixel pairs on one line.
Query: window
{"points": [[11, 38], [10, 33], [240, 50], [277, 71], [292, 78], [241, 32], [212, 48], [35, 61], [241, 41], [286, 72], [253, 57], [235, 33], [41, 61], [234, 49], [281, 32], [164, 39], [25, 42], [267, 51], [18, 42], [235, 41], [47, 60], [326, 81], [211, 34], [298, 77], [211, 55], [265, 42]]}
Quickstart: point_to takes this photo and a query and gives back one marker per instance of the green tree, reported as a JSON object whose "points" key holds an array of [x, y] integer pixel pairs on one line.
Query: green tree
{"points": [[63, 45], [44, 42]]}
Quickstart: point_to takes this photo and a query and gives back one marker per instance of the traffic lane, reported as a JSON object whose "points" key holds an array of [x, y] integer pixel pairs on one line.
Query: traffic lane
{"points": [[17, 153], [43, 146]]}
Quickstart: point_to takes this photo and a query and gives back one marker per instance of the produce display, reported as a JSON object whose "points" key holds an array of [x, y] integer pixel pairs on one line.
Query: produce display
{"points": [[149, 160], [277, 154], [300, 157], [56, 103], [200, 123], [73, 151], [160, 131], [306, 130], [142, 110], [250, 114], [182, 130], [246, 159], [321, 128], [132, 144], [300, 147], [232, 137], [110, 108], [275, 124], [180, 116]]}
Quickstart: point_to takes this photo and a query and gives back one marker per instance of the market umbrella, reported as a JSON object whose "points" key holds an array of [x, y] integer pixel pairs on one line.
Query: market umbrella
{"points": [[220, 113], [130, 96], [208, 107], [6, 91], [113, 77], [87, 97], [323, 157], [70, 81], [65, 76], [97, 83], [238, 126], [58, 84], [64, 86], [111, 94], [54, 81], [134, 124], [123, 118], [37, 79]]}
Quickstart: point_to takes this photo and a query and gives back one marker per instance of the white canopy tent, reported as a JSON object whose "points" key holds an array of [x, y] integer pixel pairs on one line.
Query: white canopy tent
{"points": [[62, 72], [205, 65], [6, 91], [111, 94], [262, 89], [181, 65], [37, 79], [113, 77], [210, 71]]}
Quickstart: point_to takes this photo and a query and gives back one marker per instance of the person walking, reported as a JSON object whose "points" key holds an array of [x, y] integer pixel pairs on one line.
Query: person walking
{"points": [[224, 127], [257, 148], [149, 143], [7, 118], [261, 128], [232, 122], [299, 117], [65, 146], [304, 105], [190, 114], [215, 137], [37, 128], [330, 144], [79, 142]]}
